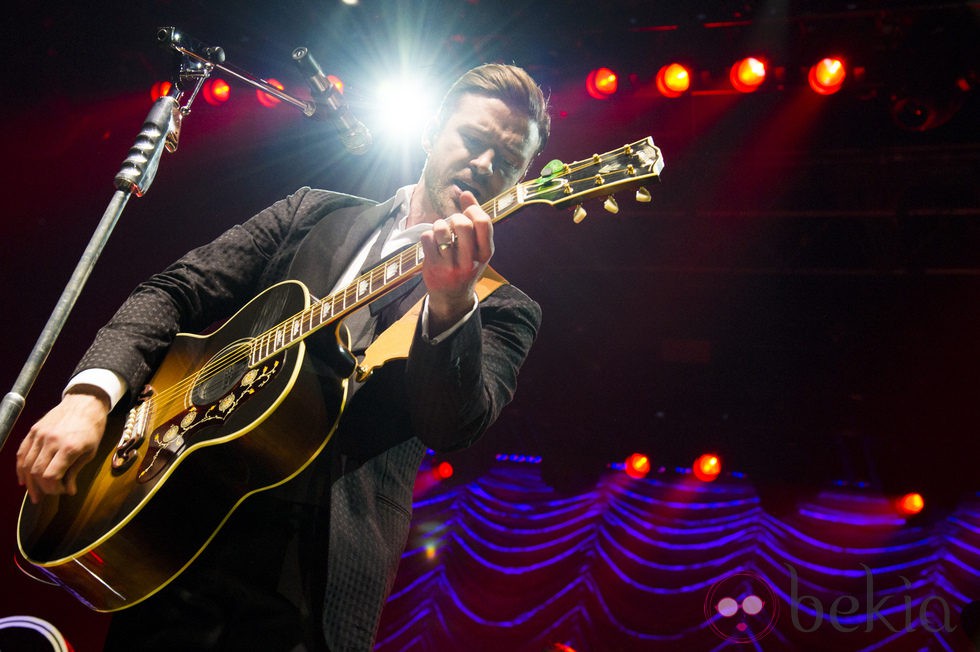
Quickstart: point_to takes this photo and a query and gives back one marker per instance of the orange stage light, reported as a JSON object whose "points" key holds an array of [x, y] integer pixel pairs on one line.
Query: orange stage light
{"points": [[601, 83], [216, 91], [159, 89], [707, 467], [338, 84], [748, 74], [637, 465], [267, 100], [673, 80], [911, 504], [827, 76]]}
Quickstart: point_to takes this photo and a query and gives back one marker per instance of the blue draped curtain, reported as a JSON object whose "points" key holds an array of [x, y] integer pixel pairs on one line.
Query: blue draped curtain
{"points": [[506, 563]]}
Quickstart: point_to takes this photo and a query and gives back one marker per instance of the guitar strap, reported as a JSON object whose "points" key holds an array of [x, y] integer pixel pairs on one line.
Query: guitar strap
{"points": [[394, 342]]}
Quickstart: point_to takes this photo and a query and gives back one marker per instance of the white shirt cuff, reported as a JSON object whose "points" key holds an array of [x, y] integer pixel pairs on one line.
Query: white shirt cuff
{"points": [[449, 331], [108, 381]]}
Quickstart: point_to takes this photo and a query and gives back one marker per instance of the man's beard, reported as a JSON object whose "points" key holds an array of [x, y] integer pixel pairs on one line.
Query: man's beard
{"points": [[439, 196]]}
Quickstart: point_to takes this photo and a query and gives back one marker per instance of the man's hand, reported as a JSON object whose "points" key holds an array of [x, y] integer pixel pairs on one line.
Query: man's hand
{"points": [[61, 443], [457, 250]]}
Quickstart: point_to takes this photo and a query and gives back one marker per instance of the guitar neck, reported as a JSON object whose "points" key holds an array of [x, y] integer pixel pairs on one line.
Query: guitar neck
{"points": [[367, 287]]}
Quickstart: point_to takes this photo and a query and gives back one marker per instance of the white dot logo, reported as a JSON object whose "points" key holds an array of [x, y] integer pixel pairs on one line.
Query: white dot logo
{"points": [[741, 607]]}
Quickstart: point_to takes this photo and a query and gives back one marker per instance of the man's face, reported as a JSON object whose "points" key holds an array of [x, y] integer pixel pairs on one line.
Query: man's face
{"points": [[484, 147]]}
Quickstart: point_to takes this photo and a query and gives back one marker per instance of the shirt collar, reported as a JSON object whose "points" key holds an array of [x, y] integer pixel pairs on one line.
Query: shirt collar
{"points": [[403, 202]]}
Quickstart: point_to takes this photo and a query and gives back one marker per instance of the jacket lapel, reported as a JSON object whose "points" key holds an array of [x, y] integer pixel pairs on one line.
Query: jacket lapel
{"points": [[328, 248]]}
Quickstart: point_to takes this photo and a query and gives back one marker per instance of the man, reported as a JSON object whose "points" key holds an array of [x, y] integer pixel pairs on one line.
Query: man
{"points": [[330, 539]]}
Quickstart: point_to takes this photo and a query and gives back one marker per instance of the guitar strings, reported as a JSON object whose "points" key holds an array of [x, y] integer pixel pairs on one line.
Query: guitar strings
{"points": [[244, 351]]}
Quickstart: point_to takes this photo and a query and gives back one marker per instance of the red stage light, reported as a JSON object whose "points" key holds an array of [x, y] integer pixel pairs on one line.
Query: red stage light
{"points": [[443, 471], [827, 76], [748, 74], [267, 100], [911, 504], [707, 467], [673, 80], [159, 89], [637, 465], [601, 83], [216, 91]]}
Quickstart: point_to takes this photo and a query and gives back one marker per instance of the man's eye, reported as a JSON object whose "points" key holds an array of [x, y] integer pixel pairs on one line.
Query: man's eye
{"points": [[509, 166]]}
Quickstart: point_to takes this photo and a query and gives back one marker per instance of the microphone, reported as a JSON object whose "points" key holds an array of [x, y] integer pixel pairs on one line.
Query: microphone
{"points": [[173, 38], [329, 105]]}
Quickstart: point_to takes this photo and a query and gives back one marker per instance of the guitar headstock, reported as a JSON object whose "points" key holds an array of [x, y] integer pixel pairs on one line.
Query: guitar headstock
{"points": [[562, 184]]}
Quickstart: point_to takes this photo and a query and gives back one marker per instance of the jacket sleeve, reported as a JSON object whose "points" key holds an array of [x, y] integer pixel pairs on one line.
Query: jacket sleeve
{"points": [[205, 285], [457, 388]]}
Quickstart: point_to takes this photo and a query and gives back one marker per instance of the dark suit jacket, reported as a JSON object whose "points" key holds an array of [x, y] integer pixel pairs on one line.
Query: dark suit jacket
{"points": [[443, 397]]}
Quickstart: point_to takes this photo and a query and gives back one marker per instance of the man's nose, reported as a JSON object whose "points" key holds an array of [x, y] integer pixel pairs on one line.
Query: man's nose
{"points": [[483, 164]]}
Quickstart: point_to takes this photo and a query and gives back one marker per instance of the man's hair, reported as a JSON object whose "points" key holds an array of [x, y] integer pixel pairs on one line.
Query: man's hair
{"points": [[510, 84]]}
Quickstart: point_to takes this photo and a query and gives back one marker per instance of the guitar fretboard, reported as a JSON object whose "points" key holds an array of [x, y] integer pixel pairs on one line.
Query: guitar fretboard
{"points": [[367, 287]]}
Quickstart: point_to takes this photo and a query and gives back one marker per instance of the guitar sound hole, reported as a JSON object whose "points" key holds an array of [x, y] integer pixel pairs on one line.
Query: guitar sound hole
{"points": [[220, 375]]}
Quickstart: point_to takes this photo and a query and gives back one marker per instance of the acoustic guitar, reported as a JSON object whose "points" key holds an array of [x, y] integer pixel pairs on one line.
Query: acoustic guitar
{"points": [[239, 411]]}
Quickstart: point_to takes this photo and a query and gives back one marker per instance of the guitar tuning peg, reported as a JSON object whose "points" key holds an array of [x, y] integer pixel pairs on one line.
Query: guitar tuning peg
{"points": [[611, 205], [643, 195], [579, 214]]}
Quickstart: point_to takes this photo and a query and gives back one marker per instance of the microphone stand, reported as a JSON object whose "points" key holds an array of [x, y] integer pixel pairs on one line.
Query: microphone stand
{"points": [[194, 63]]}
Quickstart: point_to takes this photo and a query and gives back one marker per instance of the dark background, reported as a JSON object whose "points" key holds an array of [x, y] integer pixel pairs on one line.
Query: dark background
{"points": [[801, 296]]}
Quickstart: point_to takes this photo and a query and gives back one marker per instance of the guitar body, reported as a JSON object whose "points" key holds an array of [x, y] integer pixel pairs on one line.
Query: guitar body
{"points": [[211, 431]]}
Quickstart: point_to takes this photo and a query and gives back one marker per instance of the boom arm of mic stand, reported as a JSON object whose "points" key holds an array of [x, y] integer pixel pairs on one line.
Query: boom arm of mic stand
{"points": [[308, 107], [138, 170]]}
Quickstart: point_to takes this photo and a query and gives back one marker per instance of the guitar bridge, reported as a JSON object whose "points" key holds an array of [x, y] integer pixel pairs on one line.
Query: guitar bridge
{"points": [[134, 434]]}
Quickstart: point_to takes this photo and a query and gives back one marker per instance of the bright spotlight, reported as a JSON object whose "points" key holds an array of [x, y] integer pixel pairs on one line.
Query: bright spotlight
{"points": [[404, 107]]}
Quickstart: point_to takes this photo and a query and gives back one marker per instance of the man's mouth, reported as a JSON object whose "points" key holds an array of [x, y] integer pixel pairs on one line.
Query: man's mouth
{"points": [[463, 187]]}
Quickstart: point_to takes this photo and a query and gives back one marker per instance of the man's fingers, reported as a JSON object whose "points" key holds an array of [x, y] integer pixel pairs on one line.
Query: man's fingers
{"points": [[479, 231], [444, 236], [467, 199], [60, 444], [22, 453], [71, 477], [464, 244], [48, 470], [26, 465], [33, 491]]}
